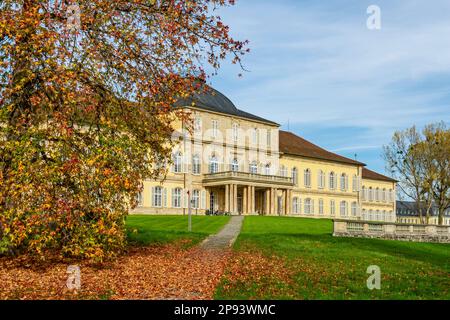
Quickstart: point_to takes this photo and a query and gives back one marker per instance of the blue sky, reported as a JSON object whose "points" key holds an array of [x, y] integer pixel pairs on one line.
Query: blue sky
{"points": [[315, 65]]}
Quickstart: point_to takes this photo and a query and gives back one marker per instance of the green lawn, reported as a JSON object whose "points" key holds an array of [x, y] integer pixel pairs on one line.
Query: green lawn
{"points": [[326, 267], [146, 229]]}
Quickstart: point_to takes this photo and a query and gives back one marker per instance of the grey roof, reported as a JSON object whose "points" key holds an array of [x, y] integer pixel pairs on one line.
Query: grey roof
{"points": [[212, 100], [408, 208]]}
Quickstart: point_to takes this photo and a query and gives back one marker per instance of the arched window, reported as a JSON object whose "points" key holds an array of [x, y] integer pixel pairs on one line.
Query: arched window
{"points": [[344, 182], [196, 167], [383, 195], [139, 199], [332, 181], [309, 206], [213, 165], [235, 165], [253, 167], [364, 193], [343, 208], [178, 162], [294, 175], [320, 206], [377, 215], [364, 214], [157, 196], [371, 215], [355, 183], [295, 205], [370, 194], [307, 178], [235, 132], [321, 179], [332, 207], [176, 197], [354, 208], [195, 199], [267, 169], [377, 194], [283, 171]]}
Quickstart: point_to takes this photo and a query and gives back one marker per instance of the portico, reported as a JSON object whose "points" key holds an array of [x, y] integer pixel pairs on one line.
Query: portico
{"points": [[246, 193]]}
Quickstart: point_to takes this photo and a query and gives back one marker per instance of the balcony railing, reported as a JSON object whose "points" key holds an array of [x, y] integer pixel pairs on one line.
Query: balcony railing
{"points": [[247, 176]]}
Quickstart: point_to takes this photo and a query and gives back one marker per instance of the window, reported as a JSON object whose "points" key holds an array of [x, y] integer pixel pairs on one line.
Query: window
{"points": [[320, 206], [235, 132], [321, 179], [309, 206], [215, 128], [294, 176], [253, 167], [377, 194], [355, 183], [363, 193], [139, 199], [196, 167], [354, 209], [344, 182], [307, 178], [295, 205], [269, 138], [391, 195], [178, 163], [235, 165], [213, 165], [332, 207], [332, 181], [157, 196], [267, 169], [198, 124], [195, 199], [283, 171], [370, 194], [176, 197], [255, 136], [383, 195], [343, 208]]}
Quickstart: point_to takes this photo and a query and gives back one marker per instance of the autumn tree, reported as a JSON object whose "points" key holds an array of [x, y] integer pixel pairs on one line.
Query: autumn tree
{"points": [[87, 90], [420, 161]]}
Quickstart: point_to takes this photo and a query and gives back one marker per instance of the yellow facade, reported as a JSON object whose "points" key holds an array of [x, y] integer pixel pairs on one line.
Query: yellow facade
{"points": [[233, 163]]}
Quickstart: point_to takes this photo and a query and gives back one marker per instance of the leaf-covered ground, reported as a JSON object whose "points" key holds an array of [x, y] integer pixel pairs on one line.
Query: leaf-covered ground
{"points": [[157, 272]]}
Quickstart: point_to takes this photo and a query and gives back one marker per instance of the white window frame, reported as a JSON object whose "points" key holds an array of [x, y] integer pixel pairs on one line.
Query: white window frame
{"points": [[307, 178]]}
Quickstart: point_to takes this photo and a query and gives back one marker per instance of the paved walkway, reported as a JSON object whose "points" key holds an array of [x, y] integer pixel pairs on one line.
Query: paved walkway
{"points": [[226, 237]]}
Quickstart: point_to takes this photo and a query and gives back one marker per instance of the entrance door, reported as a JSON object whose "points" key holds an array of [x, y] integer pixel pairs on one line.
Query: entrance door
{"points": [[239, 204], [212, 202]]}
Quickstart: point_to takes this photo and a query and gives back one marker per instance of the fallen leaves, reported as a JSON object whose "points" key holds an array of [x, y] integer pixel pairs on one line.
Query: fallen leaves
{"points": [[157, 272]]}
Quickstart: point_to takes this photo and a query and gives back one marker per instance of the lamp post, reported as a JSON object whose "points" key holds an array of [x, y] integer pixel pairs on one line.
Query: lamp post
{"points": [[189, 212]]}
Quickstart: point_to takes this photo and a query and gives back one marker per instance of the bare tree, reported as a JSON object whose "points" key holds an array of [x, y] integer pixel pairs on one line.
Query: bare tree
{"points": [[404, 164]]}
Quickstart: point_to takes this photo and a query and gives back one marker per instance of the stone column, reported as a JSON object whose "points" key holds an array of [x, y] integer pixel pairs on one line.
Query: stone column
{"points": [[252, 199], [244, 200], [230, 196], [236, 210], [275, 201], [227, 198]]}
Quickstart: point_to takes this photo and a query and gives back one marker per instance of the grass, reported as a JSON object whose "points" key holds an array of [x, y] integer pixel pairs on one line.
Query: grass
{"points": [[147, 230], [325, 267]]}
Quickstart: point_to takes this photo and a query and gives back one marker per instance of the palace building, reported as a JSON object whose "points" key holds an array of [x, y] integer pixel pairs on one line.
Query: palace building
{"points": [[236, 162]]}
